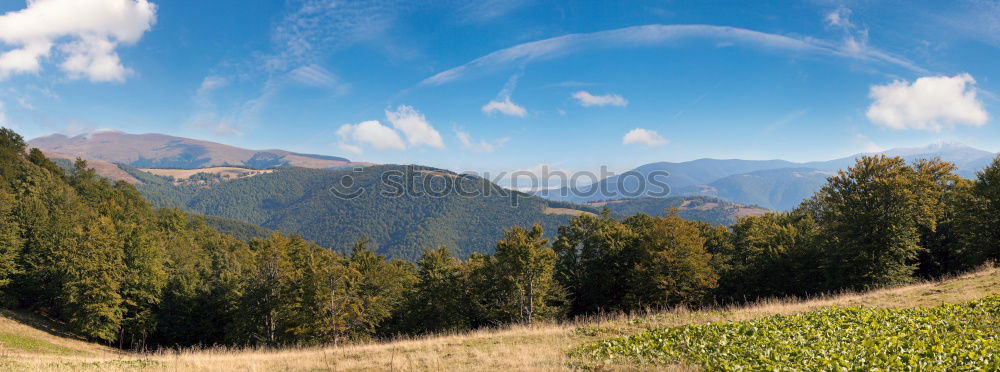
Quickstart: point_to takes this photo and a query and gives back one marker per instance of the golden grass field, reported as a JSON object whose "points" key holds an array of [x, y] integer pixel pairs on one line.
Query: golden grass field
{"points": [[27, 343], [225, 172]]}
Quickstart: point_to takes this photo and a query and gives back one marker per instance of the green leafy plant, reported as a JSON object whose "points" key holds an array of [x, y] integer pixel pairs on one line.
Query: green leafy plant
{"points": [[945, 337]]}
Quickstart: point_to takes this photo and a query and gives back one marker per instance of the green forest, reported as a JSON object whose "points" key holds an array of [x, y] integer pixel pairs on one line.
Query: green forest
{"points": [[299, 201], [97, 257]]}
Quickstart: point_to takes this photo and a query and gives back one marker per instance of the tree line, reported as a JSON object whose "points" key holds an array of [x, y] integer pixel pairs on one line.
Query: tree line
{"points": [[96, 257]]}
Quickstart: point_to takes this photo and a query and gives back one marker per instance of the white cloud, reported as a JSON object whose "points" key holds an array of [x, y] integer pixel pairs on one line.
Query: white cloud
{"points": [[482, 146], [87, 32], [931, 103], [839, 17], [506, 107], [658, 35], [415, 126], [586, 99], [503, 103], [371, 133], [646, 137]]}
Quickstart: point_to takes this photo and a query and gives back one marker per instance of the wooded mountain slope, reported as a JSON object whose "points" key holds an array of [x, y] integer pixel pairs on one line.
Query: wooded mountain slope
{"points": [[299, 200]]}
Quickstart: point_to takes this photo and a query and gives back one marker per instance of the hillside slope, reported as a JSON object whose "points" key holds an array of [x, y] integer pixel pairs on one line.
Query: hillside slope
{"points": [[543, 347], [695, 208], [302, 201], [163, 151]]}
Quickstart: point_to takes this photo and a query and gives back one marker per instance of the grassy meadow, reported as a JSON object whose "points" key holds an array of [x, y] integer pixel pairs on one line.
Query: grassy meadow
{"points": [[28, 342]]}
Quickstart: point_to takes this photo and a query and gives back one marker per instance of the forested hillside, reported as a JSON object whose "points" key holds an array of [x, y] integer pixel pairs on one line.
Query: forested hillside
{"points": [[693, 208], [300, 201], [774, 189]]}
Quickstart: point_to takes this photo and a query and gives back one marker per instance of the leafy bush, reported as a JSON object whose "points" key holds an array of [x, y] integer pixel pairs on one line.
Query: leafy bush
{"points": [[946, 337]]}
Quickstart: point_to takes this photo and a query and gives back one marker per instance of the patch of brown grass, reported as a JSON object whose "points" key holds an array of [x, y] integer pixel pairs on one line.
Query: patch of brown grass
{"points": [[225, 172], [566, 212]]}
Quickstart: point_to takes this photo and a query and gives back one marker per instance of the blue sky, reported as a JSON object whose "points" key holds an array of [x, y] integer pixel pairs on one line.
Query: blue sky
{"points": [[507, 85]]}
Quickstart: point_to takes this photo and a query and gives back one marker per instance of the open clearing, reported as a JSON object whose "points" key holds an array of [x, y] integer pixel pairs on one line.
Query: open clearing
{"points": [[566, 211], [224, 172], [29, 343]]}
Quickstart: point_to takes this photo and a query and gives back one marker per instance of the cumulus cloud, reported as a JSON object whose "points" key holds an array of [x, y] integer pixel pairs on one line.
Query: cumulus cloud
{"points": [[414, 125], [86, 32], [930, 103], [586, 99], [506, 107], [646, 137], [371, 133], [482, 146]]}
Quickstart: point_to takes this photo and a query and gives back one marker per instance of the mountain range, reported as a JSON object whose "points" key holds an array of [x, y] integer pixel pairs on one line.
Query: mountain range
{"points": [[294, 194], [773, 184]]}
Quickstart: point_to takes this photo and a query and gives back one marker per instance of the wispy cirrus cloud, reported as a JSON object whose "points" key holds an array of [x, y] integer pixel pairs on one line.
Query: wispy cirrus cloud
{"points": [[487, 10], [313, 28], [232, 120], [659, 35], [482, 145]]}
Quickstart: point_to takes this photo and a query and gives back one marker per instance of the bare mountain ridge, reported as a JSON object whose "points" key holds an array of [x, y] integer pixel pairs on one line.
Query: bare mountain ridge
{"points": [[162, 151]]}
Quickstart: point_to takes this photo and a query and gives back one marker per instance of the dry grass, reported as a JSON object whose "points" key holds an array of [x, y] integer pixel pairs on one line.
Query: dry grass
{"points": [[225, 172], [544, 347], [566, 212]]}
